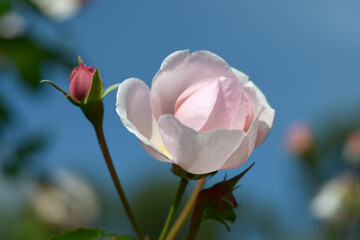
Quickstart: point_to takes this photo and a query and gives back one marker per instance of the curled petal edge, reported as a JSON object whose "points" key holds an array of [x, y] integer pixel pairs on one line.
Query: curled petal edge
{"points": [[267, 115], [121, 104]]}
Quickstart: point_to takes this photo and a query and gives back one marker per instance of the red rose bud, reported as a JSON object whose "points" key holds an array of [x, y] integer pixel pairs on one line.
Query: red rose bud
{"points": [[217, 202], [86, 91], [219, 195], [80, 81]]}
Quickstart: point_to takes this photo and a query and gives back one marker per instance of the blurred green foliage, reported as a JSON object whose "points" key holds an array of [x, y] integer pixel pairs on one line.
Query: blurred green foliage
{"points": [[24, 57], [28, 56]]}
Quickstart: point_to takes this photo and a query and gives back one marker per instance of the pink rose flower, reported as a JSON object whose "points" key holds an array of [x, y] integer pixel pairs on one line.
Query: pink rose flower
{"points": [[200, 113], [80, 81]]}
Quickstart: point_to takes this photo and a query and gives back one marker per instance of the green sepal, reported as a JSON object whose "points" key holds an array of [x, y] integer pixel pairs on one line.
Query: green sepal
{"points": [[111, 88], [217, 202], [180, 172], [96, 89], [94, 112], [79, 60], [73, 101], [232, 182], [88, 234], [227, 213]]}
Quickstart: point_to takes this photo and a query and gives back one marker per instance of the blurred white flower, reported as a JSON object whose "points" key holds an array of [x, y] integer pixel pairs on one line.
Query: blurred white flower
{"points": [[335, 199], [66, 201], [327, 202], [12, 25], [59, 10]]}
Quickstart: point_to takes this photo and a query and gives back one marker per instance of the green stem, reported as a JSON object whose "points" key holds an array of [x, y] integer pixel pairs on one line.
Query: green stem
{"points": [[115, 179], [195, 223], [186, 211], [174, 208]]}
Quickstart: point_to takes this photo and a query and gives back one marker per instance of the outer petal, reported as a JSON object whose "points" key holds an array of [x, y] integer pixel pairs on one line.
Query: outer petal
{"points": [[133, 107], [267, 115], [240, 76], [246, 147], [247, 110], [178, 72], [196, 152]]}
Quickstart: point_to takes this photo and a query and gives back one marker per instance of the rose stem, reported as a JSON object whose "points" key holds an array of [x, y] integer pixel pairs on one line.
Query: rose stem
{"points": [[174, 208], [186, 211], [115, 179]]}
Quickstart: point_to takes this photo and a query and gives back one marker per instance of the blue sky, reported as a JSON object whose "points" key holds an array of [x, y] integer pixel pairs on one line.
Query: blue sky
{"points": [[303, 55]]}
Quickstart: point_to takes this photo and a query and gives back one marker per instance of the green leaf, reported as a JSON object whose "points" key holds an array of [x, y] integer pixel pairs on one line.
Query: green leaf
{"points": [[88, 234], [111, 88], [96, 89], [61, 90], [22, 51]]}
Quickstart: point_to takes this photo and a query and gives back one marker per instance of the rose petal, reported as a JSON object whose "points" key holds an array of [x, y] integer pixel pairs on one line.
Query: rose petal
{"points": [[239, 118], [178, 72], [239, 156], [196, 152], [195, 111], [247, 110], [267, 115], [190, 91], [240, 76], [208, 105], [133, 107], [246, 147], [225, 106], [253, 106]]}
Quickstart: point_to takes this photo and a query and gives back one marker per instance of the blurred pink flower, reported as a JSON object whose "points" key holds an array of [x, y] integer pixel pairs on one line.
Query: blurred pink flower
{"points": [[80, 81], [299, 138], [352, 147], [200, 114]]}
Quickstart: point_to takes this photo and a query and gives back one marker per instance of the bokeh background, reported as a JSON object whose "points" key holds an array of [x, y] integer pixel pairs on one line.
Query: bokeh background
{"points": [[303, 55]]}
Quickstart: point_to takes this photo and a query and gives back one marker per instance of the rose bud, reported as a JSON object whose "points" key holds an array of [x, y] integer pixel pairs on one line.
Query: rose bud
{"points": [[200, 113], [86, 91], [217, 202], [80, 81]]}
